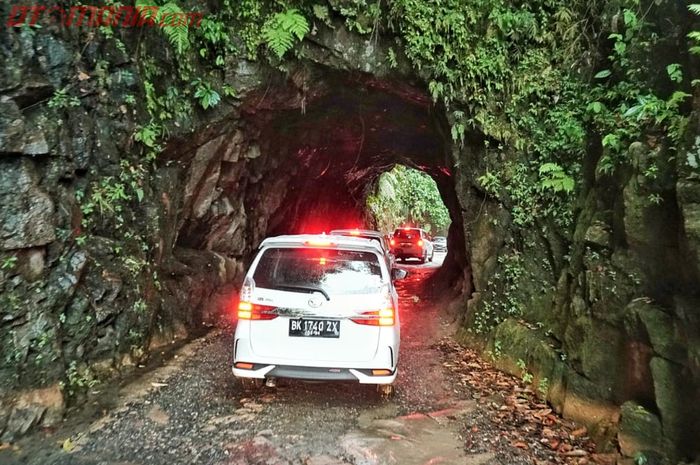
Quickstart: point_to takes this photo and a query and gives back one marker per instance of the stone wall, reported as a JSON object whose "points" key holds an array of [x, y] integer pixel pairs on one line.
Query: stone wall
{"points": [[607, 318]]}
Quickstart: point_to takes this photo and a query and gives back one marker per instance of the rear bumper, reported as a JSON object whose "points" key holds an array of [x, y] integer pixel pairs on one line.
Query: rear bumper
{"points": [[408, 252], [363, 376]]}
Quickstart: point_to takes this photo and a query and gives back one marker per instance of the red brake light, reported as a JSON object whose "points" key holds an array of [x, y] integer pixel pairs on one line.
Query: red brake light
{"points": [[420, 243], [383, 317], [248, 311], [319, 243], [393, 242]]}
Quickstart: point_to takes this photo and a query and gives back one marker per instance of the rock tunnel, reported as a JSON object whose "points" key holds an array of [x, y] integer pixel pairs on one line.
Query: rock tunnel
{"points": [[294, 163]]}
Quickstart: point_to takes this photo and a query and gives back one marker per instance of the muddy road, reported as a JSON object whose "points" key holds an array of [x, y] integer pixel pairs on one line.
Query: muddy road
{"points": [[192, 411]]}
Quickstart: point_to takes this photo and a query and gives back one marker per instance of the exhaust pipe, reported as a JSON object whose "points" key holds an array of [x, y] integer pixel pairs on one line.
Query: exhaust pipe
{"points": [[271, 382]]}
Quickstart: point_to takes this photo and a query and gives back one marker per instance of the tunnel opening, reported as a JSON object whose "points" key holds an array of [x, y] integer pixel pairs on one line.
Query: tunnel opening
{"points": [[299, 162]]}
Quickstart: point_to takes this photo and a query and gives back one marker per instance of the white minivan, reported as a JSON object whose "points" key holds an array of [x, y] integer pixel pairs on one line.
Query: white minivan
{"points": [[318, 307]]}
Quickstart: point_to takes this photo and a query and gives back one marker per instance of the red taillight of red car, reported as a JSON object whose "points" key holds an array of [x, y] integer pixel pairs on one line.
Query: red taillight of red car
{"points": [[383, 317], [249, 311], [392, 242], [420, 243]]}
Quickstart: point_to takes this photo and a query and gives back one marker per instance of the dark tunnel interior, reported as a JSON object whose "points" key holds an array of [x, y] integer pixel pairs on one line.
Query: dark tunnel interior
{"points": [[321, 155]]}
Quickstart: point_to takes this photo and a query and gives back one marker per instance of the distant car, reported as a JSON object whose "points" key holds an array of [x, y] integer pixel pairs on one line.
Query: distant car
{"points": [[318, 307], [372, 235], [440, 244], [412, 243]]}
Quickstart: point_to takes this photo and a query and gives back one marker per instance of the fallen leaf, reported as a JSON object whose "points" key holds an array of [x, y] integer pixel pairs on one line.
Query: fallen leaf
{"points": [[521, 445], [579, 432], [68, 445], [576, 453], [83, 76]]}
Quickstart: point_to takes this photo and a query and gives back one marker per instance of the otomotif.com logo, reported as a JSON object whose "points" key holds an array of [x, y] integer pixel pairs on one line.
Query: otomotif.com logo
{"points": [[99, 16]]}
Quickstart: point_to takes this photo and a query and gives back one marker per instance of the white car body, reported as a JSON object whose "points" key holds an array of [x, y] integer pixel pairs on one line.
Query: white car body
{"points": [[267, 348]]}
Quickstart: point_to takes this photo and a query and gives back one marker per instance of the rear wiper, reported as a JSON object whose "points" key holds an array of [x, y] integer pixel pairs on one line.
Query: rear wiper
{"points": [[303, 288]]}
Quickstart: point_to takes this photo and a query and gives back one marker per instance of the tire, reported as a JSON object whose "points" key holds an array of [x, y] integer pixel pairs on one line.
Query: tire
{"points": [[386, 390]]}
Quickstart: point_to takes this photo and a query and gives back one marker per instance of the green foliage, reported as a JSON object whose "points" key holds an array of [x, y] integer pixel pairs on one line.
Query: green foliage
{"points": [[543, 387], [61, 99], [110, 195], [78, 379], [169, 17], [361, 16], [525, 376], [8, 263], [405, 196], [281, 30], [205, 94], [552, 176]]}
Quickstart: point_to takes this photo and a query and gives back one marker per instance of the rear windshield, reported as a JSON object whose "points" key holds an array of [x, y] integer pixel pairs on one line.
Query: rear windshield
{"points": [[407, 234], [334, 271]]}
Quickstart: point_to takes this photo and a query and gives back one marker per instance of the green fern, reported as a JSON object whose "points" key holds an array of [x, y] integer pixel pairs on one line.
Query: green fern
{"points": [[695, 8], [171, 19], [175, 26], [281, 29]]}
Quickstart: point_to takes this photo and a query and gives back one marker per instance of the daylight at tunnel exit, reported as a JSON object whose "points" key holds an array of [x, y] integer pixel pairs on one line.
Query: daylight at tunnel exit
{"points": [[350, 232]]}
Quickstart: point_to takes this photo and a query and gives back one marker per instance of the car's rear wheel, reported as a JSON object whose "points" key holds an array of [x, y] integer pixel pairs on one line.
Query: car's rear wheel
{"points": [[386, 390]]}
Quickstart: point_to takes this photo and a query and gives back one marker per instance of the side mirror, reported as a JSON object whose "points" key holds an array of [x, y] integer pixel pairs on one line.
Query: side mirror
{"points": [[398, 273]]}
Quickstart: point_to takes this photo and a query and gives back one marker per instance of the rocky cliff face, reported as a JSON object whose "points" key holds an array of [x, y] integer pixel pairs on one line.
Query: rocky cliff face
{"points": [[105, 255], [604, 318]]}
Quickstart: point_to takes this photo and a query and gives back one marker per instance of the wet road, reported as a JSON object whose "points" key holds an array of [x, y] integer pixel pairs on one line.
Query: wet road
{"points": [[194, 411]]}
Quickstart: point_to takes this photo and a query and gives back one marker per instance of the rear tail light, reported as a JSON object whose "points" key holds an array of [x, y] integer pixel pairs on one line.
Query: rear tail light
{"points": [[249, 311], [393, 242], [383, 317], [420, 243], [243, 365], [381, 372]]}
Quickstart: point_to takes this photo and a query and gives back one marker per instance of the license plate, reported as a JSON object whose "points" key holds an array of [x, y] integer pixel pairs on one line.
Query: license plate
{"points": [[314, 328]]}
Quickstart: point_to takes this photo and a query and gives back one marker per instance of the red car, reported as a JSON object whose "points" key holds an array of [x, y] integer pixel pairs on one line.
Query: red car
{"points": [[412, 243]]}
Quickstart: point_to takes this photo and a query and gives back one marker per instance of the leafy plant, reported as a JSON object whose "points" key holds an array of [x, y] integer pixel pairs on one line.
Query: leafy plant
{"points": [[207, 96], [61, 99], [281, 30], [78, 378], [552, 176], [8, 262], [170, 18]]}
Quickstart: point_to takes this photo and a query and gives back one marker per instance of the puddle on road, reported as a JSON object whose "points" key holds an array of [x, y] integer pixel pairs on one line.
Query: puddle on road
{"points": [[416, 439]]}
